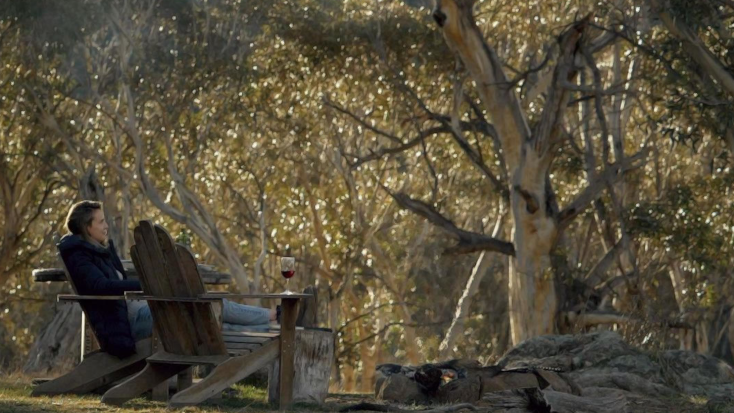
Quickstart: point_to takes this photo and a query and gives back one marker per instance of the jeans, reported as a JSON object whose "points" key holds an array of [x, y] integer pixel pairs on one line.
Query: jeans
{"points": [[235, 317]]}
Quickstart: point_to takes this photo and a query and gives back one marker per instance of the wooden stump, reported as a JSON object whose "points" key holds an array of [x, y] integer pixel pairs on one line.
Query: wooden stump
{"points": [[314, 354], [57, 348]]}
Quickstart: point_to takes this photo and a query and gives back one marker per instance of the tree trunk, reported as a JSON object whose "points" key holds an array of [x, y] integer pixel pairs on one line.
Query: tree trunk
{"points": [[333, 323], [57, 349], [730, 336], [532, 295], [367, 354], [349, 378], [528, 156], [388, 271], [462, 307], [412, 351], [235, 267], [90, 188], [533, 301], [263, 247]]}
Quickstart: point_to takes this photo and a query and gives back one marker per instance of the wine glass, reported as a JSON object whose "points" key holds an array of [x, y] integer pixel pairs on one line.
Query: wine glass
{"points": [[288, 270]]}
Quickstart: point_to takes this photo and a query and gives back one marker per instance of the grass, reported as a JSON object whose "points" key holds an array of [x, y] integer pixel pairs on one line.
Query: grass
{"points": [[15, 397]]}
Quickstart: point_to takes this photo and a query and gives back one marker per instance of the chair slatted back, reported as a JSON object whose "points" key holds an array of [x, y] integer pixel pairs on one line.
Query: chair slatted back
{"points": [[86, 344], [57, 239], [169, 270]]}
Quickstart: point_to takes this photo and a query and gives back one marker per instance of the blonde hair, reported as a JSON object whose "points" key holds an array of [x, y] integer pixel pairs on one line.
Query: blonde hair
{"points": [[80, 217]]}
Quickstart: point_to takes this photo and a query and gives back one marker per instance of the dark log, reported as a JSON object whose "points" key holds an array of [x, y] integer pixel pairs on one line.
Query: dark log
{"points": [[388, 408], [568, 403]]}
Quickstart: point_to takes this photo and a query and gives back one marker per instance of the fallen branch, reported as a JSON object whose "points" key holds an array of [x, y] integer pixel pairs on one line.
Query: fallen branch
{"points": [[592, 319], [452, 408], [389, 408]]}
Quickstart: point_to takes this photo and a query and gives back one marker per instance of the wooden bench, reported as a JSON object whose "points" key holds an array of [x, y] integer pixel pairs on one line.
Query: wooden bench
{"points": [[190, 329], [98, 369], [88, 339]]}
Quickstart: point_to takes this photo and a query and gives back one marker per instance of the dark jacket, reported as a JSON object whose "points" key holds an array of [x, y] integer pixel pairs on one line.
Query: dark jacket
{"points": [[93, 270]]}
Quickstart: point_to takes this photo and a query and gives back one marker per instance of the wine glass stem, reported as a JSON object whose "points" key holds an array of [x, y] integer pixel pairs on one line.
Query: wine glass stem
{"points": [[287, 284]]}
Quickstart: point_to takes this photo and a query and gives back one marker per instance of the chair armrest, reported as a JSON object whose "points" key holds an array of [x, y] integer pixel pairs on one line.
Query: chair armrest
{"points": [[139, 295], [74, 297], [221, 295]]}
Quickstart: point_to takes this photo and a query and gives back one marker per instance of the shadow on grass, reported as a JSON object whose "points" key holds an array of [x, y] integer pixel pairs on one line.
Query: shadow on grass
{"points": [[15, 397]]}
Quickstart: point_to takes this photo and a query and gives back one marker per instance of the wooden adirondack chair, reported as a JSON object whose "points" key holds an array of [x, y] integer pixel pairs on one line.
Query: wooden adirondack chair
{"points": [[190, 331], [97, 369]]}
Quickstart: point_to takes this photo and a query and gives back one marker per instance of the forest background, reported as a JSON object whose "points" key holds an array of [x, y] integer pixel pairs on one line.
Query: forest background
{"points": [[352, 136]]}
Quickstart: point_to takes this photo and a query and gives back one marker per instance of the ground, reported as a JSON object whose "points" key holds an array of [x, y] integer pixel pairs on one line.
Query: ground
{"points": [[15, 397]]}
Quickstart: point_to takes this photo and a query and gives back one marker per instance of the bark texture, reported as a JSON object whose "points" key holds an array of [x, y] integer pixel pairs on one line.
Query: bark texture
{"points": [[528, 155]]}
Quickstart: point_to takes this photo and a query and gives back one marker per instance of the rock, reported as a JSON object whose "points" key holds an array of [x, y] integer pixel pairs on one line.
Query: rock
{"points": [[558, 382], [694, 368], [559, 402], [509, 400], [536, 348], [624, 381], [401, 389], [723, 404], [603, 347], [639, 364], [598, 367], [604, 360], [710, 391], [567, 351], [466, 390], [509, 381]]}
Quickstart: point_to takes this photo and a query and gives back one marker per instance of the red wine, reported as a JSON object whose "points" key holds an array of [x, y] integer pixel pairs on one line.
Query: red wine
{"points": [[288, 274]]}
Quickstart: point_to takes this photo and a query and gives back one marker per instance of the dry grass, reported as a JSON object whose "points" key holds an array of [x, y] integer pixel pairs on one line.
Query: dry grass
{"points": [[15, 397]]}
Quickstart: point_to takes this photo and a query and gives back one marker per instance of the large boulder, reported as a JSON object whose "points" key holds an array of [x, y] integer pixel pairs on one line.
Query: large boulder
{"points": [[604, 360], [597, 367]]}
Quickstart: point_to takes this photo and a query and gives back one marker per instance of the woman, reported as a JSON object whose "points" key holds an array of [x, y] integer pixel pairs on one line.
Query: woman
{"points": [[96, 269]]}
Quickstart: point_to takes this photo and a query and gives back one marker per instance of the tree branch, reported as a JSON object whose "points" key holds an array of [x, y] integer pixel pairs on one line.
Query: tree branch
{"points": [[467, 241], [456, 20], [595, 275], [694, 46], [474, 156], [612, 174]]}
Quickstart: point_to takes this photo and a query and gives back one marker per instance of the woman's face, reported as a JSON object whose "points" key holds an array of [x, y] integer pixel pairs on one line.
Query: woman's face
{"points": [[98, 228]]}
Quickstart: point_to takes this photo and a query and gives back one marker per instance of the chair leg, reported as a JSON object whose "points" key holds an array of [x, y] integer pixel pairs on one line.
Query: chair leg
{"points": [[185, 379], [226, 374], [152, 374], [161, 392], [96, 370]]}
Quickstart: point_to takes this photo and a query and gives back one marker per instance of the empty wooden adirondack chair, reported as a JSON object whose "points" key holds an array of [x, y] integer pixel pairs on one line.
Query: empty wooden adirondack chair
{"points": [[190, 332], [97, 369]]}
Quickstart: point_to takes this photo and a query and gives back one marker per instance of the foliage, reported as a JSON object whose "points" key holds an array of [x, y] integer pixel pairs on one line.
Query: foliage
{"points": [[257, 124]]}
